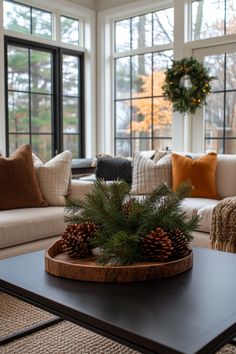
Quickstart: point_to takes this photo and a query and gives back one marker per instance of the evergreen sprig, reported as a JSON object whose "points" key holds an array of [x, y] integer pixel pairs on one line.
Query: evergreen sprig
{"points": [[120, 230]]}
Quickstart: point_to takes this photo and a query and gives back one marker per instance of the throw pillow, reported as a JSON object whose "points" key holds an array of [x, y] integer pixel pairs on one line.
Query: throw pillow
{"points": [[54, 177], [19, 187], [114, 168], [147, 174], [200, 173]]}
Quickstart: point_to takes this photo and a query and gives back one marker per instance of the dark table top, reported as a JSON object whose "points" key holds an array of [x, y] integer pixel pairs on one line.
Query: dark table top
{"points": [[194, 312]]}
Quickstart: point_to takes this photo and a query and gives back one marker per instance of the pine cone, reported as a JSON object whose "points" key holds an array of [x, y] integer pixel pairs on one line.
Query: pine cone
{"points": [[157, 245], [179, 243], [75, 240], [127, 206]]}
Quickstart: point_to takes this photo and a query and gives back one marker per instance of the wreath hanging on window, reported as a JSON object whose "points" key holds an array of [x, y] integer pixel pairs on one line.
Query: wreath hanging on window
{"points": [[187, 84]]}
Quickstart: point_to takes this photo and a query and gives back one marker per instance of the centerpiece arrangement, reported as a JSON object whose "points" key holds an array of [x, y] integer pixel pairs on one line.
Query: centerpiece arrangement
{"points": [[112, 229]]}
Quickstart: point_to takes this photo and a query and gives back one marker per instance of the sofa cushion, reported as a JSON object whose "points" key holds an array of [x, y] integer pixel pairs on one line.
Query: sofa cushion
{"points": [[226, 175], [201, 173], [147, 174], [19, 187], [29, 224], [205, 215], [202, 207], [54, 177]]}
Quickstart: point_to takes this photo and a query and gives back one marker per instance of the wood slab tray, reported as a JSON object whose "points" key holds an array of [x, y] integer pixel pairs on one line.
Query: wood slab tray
{"points": [[58, 263]]}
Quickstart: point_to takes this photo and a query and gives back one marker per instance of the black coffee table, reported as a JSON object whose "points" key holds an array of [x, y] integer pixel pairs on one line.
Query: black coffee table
{"points": [[194, 312]]}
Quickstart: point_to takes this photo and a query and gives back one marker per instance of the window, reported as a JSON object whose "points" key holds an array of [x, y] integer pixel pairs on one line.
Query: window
{"points": [[44, 83], [143, 119], [34, 95], [27, 19], [69, 30], [221, 22], [220, 111]]}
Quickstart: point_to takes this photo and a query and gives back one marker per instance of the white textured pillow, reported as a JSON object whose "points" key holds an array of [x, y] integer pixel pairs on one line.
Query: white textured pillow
{"points": [[147, 174], [54, 177]]}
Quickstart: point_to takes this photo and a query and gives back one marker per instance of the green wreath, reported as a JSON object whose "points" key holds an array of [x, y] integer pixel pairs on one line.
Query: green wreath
{"points": [[187, 84]]}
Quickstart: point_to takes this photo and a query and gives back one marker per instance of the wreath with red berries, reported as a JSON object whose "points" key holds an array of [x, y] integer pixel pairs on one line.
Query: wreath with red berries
{"points": [[187, 85]]}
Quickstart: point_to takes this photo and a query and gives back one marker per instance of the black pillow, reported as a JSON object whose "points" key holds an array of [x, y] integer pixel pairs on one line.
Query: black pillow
{"points": [[114, 168]]}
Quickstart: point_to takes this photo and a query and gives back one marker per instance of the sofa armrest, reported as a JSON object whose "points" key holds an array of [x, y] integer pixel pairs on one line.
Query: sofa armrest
{"points": [[78, 189]]}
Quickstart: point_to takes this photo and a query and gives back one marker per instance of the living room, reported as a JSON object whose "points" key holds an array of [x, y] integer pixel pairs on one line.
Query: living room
{"points": [[85, 82]]}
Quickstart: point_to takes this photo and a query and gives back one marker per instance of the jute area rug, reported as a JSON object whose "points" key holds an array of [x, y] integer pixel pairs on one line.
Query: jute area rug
{"points": [[61, 338]]}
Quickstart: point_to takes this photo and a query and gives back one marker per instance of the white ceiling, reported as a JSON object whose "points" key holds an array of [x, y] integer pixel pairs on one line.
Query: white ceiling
{"points": [[100, 5]]}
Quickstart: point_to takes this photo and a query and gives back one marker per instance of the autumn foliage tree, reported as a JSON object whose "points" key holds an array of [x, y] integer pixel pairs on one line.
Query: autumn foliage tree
{"points": [[159, 113]]}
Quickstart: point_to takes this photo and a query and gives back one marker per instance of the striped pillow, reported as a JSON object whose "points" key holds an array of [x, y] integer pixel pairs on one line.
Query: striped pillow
{"points": [[148, 174]]}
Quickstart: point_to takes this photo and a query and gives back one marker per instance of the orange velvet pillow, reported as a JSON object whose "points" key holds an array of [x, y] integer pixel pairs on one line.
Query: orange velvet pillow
{"points": [[19, 186], [200, 173]]}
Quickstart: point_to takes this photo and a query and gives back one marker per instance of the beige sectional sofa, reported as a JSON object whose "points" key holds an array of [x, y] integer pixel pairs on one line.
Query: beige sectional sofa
{"points": [[29, 229]]}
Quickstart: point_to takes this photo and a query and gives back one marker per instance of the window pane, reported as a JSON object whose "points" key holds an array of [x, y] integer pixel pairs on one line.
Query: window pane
{"points": [[122, 72], [230, 116], [214, 116], [230, 71], [71, 143], [207, 18], [42, 145], [141, 145], [18, 112], [122, 36], [142, 75], [18, 71], [41, 23], [230, 146], [162, 118], [215, 63], [41, 71], [230, 16], [122, 119], [123, 147], [17, 140], [161, 61], [41, 113], [69, 30], [70, 75], [16, 17], [142, 118], [214, 145], [163, 26], [162, 144], [142, 31], [70, 115]]}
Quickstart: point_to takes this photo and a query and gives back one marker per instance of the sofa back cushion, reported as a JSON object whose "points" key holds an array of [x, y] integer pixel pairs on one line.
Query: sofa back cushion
{"points": [[19, 187], [226, 175]]}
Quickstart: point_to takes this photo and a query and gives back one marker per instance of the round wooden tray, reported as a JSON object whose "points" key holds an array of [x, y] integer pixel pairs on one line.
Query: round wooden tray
{"points": [[60, 264]]}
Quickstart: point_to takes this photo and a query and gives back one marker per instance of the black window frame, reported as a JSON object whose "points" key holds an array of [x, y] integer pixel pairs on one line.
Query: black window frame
{"points": [[57, 101]]}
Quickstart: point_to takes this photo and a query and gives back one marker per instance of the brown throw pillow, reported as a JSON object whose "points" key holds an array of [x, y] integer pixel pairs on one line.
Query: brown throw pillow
{"points": [[18, 182], [200, 173]]}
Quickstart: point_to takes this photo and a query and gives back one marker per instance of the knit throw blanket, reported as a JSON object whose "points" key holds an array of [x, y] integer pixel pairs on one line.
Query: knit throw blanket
{"points": [[223, 226]]}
